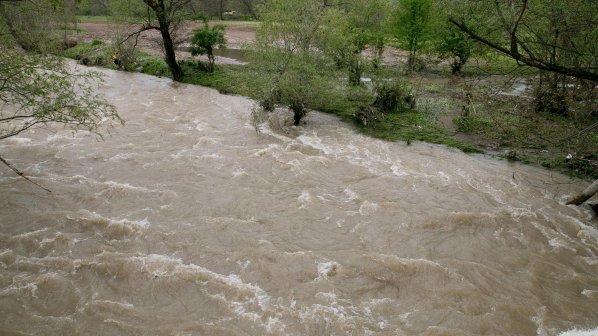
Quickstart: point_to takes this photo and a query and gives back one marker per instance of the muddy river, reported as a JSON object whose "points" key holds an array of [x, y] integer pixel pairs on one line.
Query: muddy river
{"points": [[185, 221]]}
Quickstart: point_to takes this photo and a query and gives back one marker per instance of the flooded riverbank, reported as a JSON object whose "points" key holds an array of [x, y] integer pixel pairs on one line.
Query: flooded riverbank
{"points": [[186, 222]]}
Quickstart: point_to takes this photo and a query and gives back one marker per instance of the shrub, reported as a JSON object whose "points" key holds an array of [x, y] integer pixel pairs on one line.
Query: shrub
{"points": [[552, 102], [367, 115], [204, 41], [455, 45], [123, 53], [393, 96]]}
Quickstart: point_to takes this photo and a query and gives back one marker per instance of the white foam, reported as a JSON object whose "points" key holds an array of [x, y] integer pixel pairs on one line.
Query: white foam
{"points": [[126, 186], [121, 157], [239, 172], [351, 195], [165, 266], [559, 243], [368, 208], [30, 234], [538, 319], [244, 265], [20, 141], [135, 225], [211, 156], [578, 332], [114, 304], [271, 149], [274, 325], [304, 199], [326, 269], [296, 165], [316, 143], [445, 179], [397, 171], [15, 289]]}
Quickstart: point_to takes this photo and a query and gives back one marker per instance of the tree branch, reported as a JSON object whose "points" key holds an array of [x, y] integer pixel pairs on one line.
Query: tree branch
{"points": [[21, 174], [141, 30], [529, 60], [515, 26]]}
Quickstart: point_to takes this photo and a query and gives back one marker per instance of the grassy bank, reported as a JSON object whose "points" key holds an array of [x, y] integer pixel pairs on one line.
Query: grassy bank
{"points": [[463, 112]]}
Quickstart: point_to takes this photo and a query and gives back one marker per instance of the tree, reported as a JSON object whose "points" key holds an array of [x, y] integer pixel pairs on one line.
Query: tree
{"points": [[164, 16], [456, 45], [412, 26], [554, 35], [33, 25], [36, 89], [365, 28], [557, 37], [167, 12], [288, 40], [250, 7], [204, 41]]}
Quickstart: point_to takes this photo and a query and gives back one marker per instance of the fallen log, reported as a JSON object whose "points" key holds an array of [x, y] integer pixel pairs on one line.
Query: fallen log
{"points": [[585, 195]]}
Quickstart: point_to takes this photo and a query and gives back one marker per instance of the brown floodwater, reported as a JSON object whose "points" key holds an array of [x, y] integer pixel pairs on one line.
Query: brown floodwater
{"points": [[185, 221]]}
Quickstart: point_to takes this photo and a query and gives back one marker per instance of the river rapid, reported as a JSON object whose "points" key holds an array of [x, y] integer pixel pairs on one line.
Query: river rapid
{"points": [[185, 221]]}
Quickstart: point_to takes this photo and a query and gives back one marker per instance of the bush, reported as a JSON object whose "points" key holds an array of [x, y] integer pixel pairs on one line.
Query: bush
{"points": [[393, 96], [204, 41], [552, 102], [123, 53], [154, 66], [456, 46], [367, 115]]}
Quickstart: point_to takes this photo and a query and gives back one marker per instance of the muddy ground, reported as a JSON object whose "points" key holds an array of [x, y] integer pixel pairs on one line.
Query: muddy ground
{"points": [[237, 35]]}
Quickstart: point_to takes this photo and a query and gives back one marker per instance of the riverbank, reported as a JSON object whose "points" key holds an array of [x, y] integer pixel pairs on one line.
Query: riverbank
{"points": [[474, 112]]}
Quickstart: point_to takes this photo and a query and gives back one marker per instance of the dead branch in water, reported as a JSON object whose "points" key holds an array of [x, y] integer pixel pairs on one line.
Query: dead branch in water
{"points": [[21, 174]]}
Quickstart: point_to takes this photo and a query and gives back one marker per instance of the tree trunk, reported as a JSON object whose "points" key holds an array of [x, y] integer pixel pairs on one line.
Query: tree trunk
{"points": [[585, 195], [159, 9], [221, 9], [174, 67]]}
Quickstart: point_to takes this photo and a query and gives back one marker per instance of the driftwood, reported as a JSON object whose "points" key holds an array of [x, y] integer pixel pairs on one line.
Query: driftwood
{"points": [[585, 195]]}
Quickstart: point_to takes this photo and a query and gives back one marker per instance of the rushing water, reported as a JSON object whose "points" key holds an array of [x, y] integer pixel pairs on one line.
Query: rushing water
{"points": [[186, 222]]}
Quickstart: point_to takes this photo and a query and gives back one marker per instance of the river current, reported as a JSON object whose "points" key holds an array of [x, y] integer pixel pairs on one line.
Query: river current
{"points": [[185, 221]]}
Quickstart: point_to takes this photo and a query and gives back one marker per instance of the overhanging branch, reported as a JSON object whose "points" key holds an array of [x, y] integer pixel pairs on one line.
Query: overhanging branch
{"points": [[20, 173], [527, 60]]}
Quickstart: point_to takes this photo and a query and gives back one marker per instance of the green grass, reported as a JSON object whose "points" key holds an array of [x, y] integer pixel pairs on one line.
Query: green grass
{"points": [[228, 79], [407, 125], [411, 125]]}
